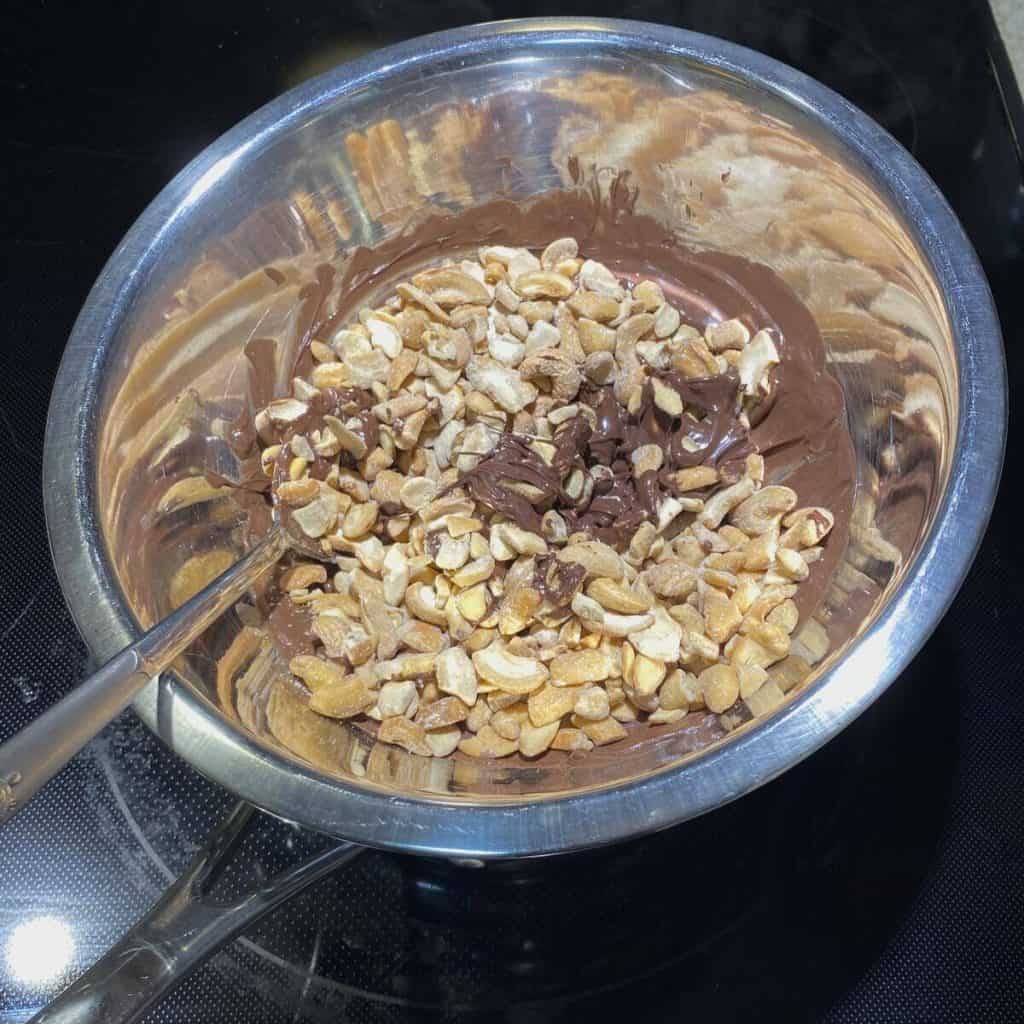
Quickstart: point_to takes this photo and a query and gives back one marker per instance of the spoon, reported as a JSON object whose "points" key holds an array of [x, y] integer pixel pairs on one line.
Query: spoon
{"points": [[29, 759]]}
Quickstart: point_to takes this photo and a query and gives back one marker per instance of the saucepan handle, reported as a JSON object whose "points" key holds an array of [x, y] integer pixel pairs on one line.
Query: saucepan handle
{"points": [[183, 929]]}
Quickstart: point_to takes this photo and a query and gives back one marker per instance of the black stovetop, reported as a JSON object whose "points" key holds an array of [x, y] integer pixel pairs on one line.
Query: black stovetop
{"points": [[881, 881]]}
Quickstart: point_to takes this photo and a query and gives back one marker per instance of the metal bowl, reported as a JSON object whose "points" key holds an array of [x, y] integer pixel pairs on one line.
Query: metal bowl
{"points": [[730, 150]]}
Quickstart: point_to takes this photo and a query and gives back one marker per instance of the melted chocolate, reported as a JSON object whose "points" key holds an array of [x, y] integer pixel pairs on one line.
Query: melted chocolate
{"points": [[291, 627], [557, 582], [514, 461], [620, 501]]}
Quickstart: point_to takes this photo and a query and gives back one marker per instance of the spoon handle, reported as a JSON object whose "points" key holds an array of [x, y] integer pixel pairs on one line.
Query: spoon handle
{"points": [[29, 759]]}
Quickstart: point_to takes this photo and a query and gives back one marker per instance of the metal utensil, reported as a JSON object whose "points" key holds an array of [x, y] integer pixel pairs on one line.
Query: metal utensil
{"points": [[31, 758]]}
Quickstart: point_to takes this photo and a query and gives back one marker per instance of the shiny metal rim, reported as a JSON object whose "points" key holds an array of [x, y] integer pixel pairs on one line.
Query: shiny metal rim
{"points": [[194, 730]]}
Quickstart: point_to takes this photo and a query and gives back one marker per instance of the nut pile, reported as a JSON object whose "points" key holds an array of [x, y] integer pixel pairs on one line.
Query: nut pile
{"points": [[452, 625]]}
